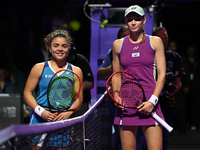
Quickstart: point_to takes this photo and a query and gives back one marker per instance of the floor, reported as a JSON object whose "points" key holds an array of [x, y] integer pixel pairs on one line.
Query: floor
{"points": [[191, 141]]}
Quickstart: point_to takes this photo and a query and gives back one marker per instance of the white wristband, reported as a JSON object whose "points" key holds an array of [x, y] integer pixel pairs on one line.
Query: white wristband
{"points": [[153, 99], [38, 110]]}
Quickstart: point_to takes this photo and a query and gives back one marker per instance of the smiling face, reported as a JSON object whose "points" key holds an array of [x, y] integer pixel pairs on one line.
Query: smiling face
{"points": [[135, 22], [59, 48]]}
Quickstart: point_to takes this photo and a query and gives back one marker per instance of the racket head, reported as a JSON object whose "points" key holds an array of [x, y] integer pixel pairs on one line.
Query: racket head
{"points": [[125, 89], [63, 89]]}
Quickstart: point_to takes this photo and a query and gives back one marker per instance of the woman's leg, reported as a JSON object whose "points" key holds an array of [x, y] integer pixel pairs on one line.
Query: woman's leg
{"points": [[128, 137], [153, 136]]}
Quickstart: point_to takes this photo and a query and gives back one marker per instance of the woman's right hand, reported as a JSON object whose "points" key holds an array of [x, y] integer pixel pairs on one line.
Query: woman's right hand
{"points": [[119, 100], [48, 116], [146, 108]]}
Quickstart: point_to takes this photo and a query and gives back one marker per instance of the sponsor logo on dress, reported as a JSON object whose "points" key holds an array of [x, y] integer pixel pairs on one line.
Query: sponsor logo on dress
{"points": [[48, 75], [135, 54]]}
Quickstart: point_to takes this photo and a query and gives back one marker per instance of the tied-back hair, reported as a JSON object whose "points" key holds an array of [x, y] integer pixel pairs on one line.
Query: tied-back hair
{"points": [[57, 33], [143, 37]]}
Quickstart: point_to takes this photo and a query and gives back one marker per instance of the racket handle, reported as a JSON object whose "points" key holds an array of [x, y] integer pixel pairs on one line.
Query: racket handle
{"points": [[162, 122], [40, 144]]}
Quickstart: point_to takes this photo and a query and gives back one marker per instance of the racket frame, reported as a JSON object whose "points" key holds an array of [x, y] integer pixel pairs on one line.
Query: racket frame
{"points": [[153, 114], [139, 85]]}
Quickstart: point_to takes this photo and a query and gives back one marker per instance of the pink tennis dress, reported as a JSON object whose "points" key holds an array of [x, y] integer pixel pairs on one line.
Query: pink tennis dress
{"points": [[139, 60]]}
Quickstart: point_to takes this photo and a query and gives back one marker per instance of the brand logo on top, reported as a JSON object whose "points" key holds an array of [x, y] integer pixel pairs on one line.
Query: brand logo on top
{"points": [[48, 75], [135, 48]]}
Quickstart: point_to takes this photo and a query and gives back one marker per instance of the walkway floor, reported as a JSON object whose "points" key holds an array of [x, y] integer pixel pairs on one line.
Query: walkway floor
{"points": [[191, 141]]}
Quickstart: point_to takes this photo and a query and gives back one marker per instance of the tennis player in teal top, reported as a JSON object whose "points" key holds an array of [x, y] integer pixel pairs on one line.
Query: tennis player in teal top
{"points": [[58, 43]]}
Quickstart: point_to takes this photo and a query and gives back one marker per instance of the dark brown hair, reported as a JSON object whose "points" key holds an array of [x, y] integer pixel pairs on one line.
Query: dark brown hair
{"points": [[58, 33], [122, 29]]}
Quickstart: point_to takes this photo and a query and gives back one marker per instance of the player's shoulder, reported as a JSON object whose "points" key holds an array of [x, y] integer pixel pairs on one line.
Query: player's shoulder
{"points": [[117, 44], [38, 66], [155, 38], [37, 69], [155, 42], [118, 41], [76, 69]]}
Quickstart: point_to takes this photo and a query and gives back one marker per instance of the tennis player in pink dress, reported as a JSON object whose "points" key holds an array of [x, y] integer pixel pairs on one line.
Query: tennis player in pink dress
{"points": [[143, 56]]}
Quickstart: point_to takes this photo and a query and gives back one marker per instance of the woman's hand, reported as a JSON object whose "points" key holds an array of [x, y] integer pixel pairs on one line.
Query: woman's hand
{"points": [[48, 116], [119, 100], [63, 116], [146, 108], [117, 105]]}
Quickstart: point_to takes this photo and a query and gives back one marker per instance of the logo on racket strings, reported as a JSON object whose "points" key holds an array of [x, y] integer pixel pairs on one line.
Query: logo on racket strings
{"points": [[57, 103]]}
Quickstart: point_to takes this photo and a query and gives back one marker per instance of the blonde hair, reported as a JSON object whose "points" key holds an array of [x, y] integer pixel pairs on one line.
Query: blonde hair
{"points": [[143, 37], [58, 33]]}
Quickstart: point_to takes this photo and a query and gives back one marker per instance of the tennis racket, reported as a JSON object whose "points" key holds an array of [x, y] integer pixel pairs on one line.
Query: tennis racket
{"points": [[126, 91], [63, 90]]}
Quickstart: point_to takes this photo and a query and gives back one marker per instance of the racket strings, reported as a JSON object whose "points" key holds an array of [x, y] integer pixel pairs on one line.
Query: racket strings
{"points": [[63, 89], [128, 89]]}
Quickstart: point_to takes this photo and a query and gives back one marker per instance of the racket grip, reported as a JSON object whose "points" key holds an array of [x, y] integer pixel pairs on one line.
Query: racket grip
{"points": [[40, 144], [162, 122]]}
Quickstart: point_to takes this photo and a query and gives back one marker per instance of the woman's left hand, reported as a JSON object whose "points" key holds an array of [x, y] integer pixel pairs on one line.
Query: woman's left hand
{"points": [[146, 108], [63, 116]]}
